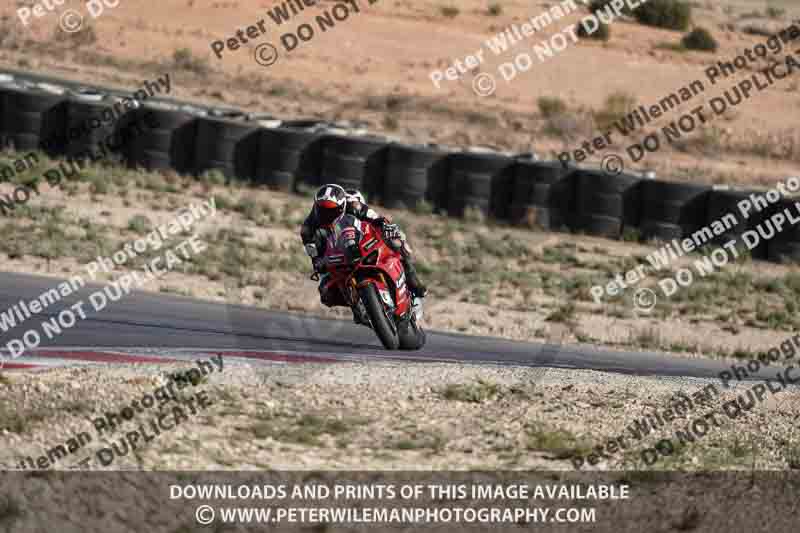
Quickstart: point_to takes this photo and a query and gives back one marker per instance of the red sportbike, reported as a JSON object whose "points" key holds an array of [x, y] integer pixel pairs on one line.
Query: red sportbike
{"points": [[369, 275]]}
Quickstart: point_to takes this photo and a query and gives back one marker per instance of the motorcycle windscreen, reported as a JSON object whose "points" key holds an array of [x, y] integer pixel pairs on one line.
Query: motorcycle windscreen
{"points": [[346, 230]]}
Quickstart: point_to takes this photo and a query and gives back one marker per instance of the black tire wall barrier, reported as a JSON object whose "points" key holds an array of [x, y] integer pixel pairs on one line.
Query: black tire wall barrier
{"points": [[605, 204], [722, 202], [542, 194], [227, 145], [191, 142], [167, 144], [785, 246], [85, 126], [414, 174], [288, 157], [672, 210], [304, 123], [3, 91], [33, 119], [354, 162], [482, 181]]}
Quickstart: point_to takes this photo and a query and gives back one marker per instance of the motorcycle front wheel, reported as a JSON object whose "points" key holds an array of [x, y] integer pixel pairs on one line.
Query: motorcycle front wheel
{"points": [[382, 324], [412, 337]]}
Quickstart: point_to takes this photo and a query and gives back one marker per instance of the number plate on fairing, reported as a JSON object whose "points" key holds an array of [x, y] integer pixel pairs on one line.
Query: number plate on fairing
{"points": [[386, 297]]}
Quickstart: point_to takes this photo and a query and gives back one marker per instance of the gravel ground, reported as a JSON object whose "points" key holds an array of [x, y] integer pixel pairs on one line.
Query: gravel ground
{"points": [[417, 423], [380, 416]]}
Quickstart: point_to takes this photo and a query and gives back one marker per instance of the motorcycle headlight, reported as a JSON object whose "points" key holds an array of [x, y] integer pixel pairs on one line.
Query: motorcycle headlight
{"points": [[387, 298]]}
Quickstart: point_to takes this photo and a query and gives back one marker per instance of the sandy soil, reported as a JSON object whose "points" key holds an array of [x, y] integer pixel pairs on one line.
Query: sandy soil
{"points": [[398, 416], [366, 68]]}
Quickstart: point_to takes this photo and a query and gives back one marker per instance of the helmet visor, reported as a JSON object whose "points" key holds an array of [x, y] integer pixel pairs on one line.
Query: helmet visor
{"points": [[328, 212]]}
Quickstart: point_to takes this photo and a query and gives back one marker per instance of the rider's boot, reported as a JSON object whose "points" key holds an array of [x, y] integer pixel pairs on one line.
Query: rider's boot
{"points": [[414, 284]]}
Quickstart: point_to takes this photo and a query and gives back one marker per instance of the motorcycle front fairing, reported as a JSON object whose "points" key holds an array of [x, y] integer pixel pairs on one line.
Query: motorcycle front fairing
{"points": [[376, 258]]}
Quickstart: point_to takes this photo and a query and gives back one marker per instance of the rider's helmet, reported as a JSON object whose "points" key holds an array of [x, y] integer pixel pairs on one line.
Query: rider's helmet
{"points": [[354, 195], [329, 203]]}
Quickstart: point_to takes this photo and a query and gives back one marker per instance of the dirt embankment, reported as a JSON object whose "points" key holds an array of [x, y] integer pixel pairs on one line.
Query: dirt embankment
{"points": [[368, 69]]}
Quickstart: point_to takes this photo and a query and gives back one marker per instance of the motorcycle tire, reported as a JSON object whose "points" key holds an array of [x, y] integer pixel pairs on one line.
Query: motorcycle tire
{"points": [[412, 337], [380, 322]]}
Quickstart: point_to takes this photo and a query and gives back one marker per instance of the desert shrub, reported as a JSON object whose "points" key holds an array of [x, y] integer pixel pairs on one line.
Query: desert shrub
{"points": [[450, 11], [550, 106], [139, 224], [184, 59], [669, 14], [12, 35], [700, 39], [617, 105], [495, 9], [602, 33], [390, 122], [775, 12]]}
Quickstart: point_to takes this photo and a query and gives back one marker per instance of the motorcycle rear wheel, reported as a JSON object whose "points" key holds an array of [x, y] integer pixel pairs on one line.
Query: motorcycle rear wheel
{"points": [[385, 330]]}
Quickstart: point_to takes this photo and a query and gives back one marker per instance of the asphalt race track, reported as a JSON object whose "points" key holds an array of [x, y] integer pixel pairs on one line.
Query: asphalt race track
{"points": [[149, 327]]}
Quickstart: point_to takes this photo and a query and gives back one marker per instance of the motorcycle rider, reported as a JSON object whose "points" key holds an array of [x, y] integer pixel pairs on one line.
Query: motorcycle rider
{"points": [[331, 202]]}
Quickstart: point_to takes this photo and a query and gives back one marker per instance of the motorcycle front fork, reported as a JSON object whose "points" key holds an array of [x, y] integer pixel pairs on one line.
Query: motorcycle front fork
{"points": [[357, 305]]}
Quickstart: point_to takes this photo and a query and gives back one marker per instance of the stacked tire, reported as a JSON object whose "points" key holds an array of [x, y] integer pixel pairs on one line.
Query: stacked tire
{"points": [[306, 124], [6, 82], [228, 145], [724, 221], [605, 204], [170, 139], [264, 120], [33, 118], [354, 162], [88, 124], [288, 157], [784, 247], [482, 181], [542, 194], [414, 174], [672, 210]]}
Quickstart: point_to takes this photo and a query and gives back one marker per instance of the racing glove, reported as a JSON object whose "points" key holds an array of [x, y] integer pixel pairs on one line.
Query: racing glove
{"points": [[391, 231], [319, 265]]}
